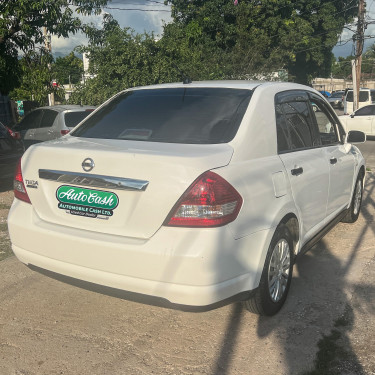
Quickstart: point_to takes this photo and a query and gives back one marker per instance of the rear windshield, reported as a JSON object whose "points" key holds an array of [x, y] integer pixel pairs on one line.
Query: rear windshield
{"points": [[175, 115], [74, 118], [337, 95], [363, 96]]}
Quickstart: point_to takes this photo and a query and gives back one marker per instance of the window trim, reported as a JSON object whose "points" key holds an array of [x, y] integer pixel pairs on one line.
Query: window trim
{"points": [[299, 96]]}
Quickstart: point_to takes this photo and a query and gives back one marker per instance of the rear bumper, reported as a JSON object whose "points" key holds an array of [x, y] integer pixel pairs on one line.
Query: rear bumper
{"points": [[183, 266]]}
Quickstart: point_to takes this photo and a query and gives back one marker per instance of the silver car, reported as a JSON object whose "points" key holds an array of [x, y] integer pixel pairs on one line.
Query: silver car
{"points": [[336, 99], [47, 123]]}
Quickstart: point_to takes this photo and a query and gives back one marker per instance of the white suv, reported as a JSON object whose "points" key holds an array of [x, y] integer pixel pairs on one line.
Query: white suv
{"points": [[189, 195], [366, 97]]}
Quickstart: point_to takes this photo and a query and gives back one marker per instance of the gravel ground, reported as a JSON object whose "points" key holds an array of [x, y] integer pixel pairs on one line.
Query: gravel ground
{"points": [[6, 198]]}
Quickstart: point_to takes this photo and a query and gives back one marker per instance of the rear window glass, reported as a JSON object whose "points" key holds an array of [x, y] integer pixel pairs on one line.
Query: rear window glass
{"points": [[74, 118], [363, 96], [175, 115]]}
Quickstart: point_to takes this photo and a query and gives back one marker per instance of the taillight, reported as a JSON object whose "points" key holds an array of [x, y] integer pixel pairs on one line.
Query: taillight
{"points": [[15, 135], [19, 186], [64, 131], [209, 202]]}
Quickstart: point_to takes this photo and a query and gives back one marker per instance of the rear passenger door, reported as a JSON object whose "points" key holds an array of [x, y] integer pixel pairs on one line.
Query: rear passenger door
{"points": [[304, 160], [46, 130], [339, 156], [28, 125]]}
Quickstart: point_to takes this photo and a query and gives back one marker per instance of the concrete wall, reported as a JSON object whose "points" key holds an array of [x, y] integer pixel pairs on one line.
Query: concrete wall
{"points": [[334, 84]]}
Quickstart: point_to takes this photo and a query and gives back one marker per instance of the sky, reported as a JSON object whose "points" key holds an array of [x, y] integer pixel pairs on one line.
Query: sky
{"points": [[346, 49], [150, 15]]}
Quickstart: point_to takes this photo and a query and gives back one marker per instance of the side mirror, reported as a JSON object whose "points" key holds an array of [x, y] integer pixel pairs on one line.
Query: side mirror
{"points": [[352, 115], [355, 136]]}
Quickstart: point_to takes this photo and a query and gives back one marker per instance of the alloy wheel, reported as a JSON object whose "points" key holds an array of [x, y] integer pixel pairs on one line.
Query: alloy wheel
{"points": [[278, 270]]}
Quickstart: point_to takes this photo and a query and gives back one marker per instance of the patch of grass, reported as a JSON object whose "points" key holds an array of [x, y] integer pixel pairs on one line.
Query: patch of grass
{"points": [[3, 227], [4, 206], [368, 169]]}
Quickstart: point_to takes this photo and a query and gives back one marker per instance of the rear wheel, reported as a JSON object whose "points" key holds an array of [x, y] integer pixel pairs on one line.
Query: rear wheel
{"points": [[355, 206], [274, 284]]}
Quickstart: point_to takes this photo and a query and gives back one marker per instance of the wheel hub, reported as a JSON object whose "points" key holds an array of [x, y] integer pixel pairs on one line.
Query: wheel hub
{"points": [[279, 269]]}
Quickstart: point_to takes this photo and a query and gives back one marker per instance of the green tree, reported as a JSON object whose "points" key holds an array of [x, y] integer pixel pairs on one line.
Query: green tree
{"points": [[258, 37], [120, 59], [68, 69], [342, 68], [36, 77], [21, 28]]}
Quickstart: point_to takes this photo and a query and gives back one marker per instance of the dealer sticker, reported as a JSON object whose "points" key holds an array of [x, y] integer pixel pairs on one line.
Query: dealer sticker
{"points": [[86, 202]]}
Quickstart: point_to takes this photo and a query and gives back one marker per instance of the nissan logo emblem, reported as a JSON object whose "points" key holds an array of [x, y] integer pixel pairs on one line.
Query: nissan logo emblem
{"points": [[88, 165]]}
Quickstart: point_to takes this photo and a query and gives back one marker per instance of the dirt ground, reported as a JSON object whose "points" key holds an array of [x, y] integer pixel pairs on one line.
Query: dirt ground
{"points": [[326, 326], [6, 198]]}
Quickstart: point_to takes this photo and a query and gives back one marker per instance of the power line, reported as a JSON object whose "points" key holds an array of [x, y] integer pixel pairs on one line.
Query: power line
{"points": [[138, 9], [148, 1]]}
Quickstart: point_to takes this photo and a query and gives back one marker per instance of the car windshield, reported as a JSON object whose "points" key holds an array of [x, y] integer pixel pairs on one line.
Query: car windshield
{"points": [[337, 95], [173, 115]]}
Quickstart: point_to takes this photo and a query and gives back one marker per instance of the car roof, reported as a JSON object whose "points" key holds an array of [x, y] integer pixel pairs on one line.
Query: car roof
{"points": [[68, 107], [235, 84], [196, 84]]}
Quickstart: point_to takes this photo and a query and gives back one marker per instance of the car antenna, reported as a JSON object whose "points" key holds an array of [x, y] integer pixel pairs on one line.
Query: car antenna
{"points": [[185, 78]]}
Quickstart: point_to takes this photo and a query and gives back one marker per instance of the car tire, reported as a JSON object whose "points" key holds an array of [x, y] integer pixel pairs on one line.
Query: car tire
{"points": [[355, 205], [274, 284]]}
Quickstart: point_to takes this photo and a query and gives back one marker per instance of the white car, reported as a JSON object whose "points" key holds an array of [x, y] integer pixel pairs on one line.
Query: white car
{"points": [[362, 119], [366, 97], [47, 123], [189, 195]]}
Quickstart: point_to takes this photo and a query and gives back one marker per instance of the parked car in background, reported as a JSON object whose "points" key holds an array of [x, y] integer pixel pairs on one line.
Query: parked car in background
{"points": [[189, 195], [336, 99], [362, 119], [46, 123], [11, 150], [366, 97]]}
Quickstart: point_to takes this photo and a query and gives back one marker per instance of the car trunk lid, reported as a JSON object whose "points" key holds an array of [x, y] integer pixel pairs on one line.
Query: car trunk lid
{"points": [[130, 189]]}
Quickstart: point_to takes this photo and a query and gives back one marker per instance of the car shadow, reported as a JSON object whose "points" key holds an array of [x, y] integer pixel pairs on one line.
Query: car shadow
{"points": [[313, 327], [6, 185]]}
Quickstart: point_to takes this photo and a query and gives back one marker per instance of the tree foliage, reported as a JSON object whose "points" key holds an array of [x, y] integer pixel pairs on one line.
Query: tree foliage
{"points": [[120, 59], [67, 69], [262, 36], [208, 39], [36, 77], [21, 28], [343, 67]]}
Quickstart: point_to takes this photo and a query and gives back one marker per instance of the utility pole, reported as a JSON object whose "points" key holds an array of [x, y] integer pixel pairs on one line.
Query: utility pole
{"points": [[48, 45], [360, 37]]}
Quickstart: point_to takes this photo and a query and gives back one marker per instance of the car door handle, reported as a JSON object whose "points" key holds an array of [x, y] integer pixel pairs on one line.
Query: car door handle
{"points": [[333, 160], [297, 171]]}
